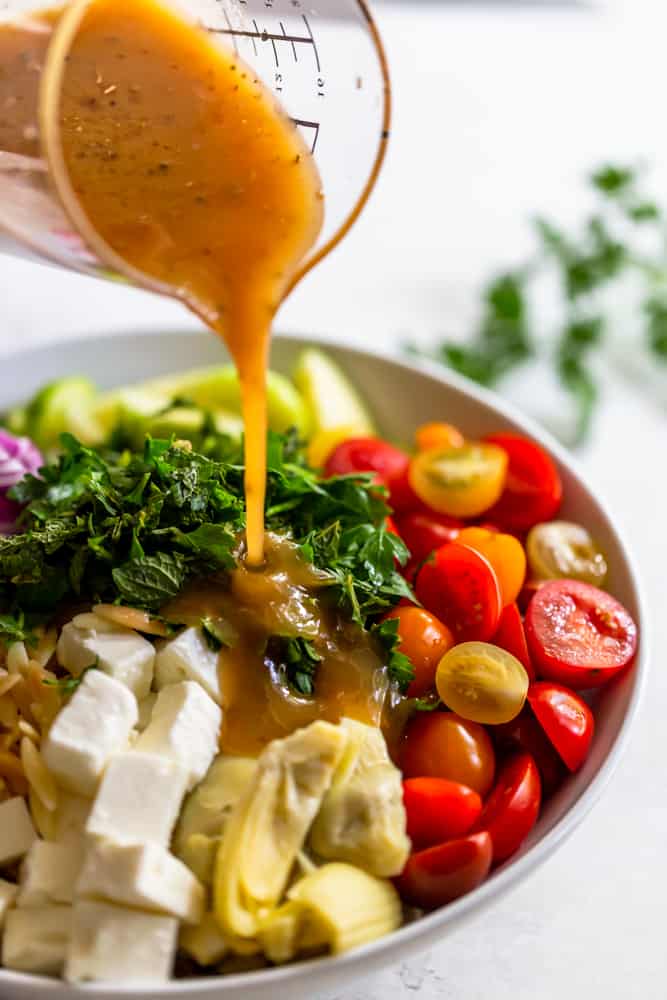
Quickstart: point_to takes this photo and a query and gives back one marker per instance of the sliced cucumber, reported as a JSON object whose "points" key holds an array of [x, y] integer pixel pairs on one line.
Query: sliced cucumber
{"points": [[65, 405], [189, 422], [330, 397], [214, 389]]}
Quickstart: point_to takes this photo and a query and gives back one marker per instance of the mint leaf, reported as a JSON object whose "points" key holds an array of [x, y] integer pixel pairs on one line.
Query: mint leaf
{"points": [[150, 581], [399, 665]]}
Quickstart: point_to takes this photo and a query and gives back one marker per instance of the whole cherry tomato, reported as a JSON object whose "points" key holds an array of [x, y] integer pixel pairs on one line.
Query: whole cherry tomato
{"points": [[579, 635], [511, 810], [565, 718], [459, 586], [443, 745], [441, 874], [461, 482], [510, 635], [438, 435], [533, 490], [506, 555], [373, 455], [439, 810], [525, 733], [424, 640], [423, 532]]}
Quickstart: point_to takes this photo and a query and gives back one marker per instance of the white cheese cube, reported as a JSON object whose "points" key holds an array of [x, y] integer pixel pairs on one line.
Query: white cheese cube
{"points": [[111, 943], [145, 876], [146, 706], [49, 872], [17, 833], [185, 727], [204, 942], [36, 940], [119, 652], [71, 815], [188, 657], [95, 724], [139, 799], [8, 894]]}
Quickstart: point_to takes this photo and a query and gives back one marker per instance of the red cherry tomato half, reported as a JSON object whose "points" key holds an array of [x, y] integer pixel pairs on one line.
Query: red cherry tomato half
{"points": [[373, 455], [512, 808], [525, 733], [565, 718], [510, 635], [441, 874], [423, 532], [458, 585], [578, 635], [439, 810], [533, 491]]}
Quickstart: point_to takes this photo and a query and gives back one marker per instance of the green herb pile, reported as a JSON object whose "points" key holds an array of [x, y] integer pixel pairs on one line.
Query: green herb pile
{"points": [[134, 528], [607, 247]]}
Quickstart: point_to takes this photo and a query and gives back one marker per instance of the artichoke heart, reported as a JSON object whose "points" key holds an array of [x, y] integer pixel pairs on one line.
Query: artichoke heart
{"points": [[338, 907], [268, 826], [362, 819], [206, 811]]}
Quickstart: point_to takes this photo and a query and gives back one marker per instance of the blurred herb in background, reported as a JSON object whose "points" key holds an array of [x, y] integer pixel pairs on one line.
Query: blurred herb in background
{"points": [[604, 250]]}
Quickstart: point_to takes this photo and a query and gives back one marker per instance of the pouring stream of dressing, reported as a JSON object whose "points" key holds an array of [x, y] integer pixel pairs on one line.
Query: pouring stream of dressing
{"points": [[180, 171]]}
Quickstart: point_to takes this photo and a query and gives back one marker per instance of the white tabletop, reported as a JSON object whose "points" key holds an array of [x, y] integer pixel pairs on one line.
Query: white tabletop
{"points": [[498, 113]]}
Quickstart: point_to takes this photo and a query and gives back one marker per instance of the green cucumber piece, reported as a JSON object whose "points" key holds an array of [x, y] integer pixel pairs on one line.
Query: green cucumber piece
{"points": [[330, 397]]}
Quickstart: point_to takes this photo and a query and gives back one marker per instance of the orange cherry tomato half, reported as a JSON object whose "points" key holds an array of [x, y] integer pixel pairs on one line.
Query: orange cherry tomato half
{"points": [[565, 718], [461, 482], [438, 435], [525, 733], [579, 635], [443, 745], [511, 635], [424, 532], [512, 808], [441, 874], [424, 640], [533, 490], [506, 555], [439, 810], [370, 454], [459, 586]]}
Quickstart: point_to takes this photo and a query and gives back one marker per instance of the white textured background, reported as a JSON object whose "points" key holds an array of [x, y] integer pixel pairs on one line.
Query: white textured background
{"points": [[499, 111]]}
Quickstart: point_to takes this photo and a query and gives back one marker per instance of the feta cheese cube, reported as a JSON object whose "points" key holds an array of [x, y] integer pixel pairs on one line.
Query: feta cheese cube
{"points": [[146, 706], [145, 876], [8, 893], [205, 943], [49, 872], [36, 940], [70, 816], [113, 943], [139, 799], [185, 727], [94, 724], [17, 833], [119, 652], [188, 657]]}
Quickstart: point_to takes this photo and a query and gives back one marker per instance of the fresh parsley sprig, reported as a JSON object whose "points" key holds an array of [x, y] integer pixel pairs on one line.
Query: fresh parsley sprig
{"points": [[603, 250]]}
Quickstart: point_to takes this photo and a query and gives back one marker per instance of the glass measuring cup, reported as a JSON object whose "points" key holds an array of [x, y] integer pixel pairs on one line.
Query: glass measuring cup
{"points": [[326, 66]]}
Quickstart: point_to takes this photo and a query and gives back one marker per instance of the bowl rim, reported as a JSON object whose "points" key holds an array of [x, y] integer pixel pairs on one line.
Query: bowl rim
{"points": [[407, 938]]}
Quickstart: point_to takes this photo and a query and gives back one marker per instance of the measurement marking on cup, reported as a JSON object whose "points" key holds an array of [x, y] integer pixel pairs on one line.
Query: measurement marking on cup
{"points": [[312, 39], [316, 129], [282, 28], [231, 28]]}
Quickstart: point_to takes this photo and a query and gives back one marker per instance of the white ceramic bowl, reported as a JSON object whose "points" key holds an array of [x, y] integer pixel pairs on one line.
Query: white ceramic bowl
{"points": [[402, 394]]}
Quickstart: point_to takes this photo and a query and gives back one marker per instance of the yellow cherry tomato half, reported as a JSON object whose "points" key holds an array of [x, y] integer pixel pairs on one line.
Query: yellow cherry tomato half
{"points": [[461, 482], [482, 683], [438, 435], [506, 555], [561, 550]]}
